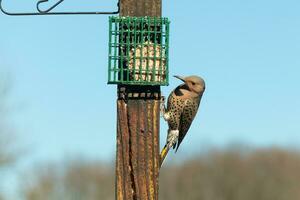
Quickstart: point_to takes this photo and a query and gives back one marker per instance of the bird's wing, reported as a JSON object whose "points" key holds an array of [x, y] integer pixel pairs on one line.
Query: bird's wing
{"points": [[186, 118], [174, 109]]}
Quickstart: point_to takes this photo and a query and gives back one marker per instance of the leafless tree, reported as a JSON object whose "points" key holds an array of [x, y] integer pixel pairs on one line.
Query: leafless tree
{"points": [[7, 136], [76, 180], [261, 174], [266, 174], [8, 154]]}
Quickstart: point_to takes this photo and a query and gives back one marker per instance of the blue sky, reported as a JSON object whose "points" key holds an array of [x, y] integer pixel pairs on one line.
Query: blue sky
{"points": [[247, 51]]}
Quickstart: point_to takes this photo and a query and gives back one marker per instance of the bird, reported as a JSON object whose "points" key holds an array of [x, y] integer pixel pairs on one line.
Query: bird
{"points": [[182, 106]]}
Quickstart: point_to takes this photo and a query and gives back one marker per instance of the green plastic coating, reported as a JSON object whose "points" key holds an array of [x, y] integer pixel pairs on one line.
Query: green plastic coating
{"points": [[138, 51]]}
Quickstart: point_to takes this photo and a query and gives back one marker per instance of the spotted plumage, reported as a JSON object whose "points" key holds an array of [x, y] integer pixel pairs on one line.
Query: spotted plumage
{"points": [[182, 106]]}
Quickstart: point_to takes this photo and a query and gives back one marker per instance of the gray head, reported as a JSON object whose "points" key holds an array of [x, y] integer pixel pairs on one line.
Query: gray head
{"points": [[194, 83]]}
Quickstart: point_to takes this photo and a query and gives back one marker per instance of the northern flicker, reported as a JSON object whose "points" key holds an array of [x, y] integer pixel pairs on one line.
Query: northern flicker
{"points": [[182, 106]]}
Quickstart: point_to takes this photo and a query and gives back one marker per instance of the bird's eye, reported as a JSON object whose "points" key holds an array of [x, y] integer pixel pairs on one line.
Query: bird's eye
{"points": [[193, 83]]}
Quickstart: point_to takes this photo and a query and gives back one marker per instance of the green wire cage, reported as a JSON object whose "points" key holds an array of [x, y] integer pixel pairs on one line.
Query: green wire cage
{"points": [[138, 51]]}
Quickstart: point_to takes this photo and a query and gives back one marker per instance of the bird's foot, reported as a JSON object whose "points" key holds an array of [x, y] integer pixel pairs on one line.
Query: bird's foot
{"points": [[163, 112], [162, 104]]}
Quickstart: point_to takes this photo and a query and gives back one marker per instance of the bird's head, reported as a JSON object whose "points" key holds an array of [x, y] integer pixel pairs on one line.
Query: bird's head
{"points": [[194, 83]]}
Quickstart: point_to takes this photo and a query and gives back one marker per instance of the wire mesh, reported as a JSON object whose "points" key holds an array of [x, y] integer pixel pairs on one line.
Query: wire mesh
{"points": [[138, 50]]}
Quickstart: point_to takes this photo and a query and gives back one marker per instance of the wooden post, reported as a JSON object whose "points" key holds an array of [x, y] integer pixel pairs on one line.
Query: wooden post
{"points": [[138, 107]]}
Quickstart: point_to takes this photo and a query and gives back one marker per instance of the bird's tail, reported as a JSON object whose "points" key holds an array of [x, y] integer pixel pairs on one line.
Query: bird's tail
{"points": [[172, 139], [164, 153]]}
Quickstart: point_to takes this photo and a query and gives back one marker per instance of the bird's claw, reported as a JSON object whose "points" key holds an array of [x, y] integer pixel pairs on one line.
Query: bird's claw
{"points": [[162, 106], [163, 112]]}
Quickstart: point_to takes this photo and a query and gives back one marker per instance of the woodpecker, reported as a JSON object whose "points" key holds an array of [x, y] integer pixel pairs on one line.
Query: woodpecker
{"points": [[182, 106]]}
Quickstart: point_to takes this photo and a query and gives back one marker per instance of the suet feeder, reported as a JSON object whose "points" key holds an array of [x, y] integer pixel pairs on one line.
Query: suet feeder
{"points": [[138, 51]]}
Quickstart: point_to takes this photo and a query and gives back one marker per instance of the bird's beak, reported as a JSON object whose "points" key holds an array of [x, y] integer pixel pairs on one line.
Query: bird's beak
{"points": [[180, 78]]}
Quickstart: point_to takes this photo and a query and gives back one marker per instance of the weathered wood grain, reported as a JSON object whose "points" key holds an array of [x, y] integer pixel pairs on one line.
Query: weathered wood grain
{"points": [[137, 166], [137, 163]]}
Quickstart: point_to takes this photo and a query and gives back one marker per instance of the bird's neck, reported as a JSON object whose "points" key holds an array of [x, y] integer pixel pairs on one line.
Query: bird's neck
{"points": [[186, 92]]}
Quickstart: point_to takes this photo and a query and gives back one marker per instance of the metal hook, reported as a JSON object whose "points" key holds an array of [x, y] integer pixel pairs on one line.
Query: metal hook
{"points": [[49, 9], [47, 12]]}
